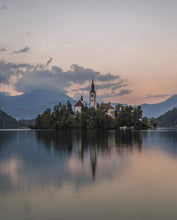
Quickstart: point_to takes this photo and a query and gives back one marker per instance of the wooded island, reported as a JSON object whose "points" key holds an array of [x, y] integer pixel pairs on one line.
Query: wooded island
{"points": [[63, 117]]}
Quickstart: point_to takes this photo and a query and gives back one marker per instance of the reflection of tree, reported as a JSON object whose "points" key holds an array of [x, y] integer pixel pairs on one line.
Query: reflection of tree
{"points": [[165, 138], [128, 140], [7, 136], [57, 141], [90, 142]]}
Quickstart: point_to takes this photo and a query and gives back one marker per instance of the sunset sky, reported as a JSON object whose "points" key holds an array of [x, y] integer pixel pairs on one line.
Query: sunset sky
{"points": [[133, 40]]}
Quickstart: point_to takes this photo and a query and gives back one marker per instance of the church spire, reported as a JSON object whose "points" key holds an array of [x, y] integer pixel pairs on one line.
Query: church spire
{"points": [[92, 86], [92, 96]]}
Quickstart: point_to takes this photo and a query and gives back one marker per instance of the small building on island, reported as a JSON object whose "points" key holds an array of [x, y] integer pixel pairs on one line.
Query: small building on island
{"points": [[109, 109], [78, 106]]}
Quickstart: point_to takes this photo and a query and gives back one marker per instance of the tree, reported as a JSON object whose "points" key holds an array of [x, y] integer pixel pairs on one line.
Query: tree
{"points": [[145, 123], [153, 123], [38, 122], [69, 108], [46, 119]]}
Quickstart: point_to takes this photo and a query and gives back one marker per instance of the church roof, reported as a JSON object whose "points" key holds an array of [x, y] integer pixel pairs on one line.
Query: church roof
{"points": [[92, 86], [106, 106], [79, 104]]}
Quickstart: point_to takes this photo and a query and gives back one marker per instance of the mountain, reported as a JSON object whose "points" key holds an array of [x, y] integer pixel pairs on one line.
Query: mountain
{"points": [[7, 121], [29, 105], [155, 110], [169, 119]]}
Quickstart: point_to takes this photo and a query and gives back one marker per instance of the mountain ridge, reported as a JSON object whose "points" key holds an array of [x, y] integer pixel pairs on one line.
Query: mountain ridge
{"points": [[8, 122], [169, 119], [29, 105], [157, 109]]}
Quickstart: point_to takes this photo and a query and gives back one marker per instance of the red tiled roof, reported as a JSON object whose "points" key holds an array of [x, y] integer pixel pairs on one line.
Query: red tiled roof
{"points": [[79, 104], [106, 106]]}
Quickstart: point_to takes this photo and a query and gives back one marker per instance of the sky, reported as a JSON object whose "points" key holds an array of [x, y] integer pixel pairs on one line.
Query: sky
{"points": [[128, 46]]}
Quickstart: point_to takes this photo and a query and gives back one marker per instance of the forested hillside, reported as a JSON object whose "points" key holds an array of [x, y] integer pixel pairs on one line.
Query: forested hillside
{"points": [[8, 122], [158, 109], [169, 119]]}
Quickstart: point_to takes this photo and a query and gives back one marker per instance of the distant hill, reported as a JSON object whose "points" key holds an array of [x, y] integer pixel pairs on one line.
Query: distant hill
{"points": [[7, 121], [169, 119], [155, 110], [29, 105]]}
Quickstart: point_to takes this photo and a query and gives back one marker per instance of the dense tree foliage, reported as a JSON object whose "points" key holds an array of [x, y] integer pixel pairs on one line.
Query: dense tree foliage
{"points": [[169, 119], [63, 117], [130, 117]]}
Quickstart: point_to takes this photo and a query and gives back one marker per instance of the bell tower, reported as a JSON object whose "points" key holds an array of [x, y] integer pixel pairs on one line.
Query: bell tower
{"points": [[92, 96]]}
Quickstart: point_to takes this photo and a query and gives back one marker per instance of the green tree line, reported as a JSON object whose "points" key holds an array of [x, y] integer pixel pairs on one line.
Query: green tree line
{"points": [[63, 117]]}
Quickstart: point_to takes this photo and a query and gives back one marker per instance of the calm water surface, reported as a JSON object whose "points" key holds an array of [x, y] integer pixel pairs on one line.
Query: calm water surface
{"points": [[47, 175]]}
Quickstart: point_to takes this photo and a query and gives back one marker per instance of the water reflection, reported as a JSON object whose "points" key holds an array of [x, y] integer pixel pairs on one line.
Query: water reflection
{"points": [[90, 143], [117, 174]]}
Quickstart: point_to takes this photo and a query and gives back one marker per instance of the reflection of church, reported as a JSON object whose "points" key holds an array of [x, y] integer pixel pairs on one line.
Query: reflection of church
{"points": [[103, 144], [91, 146], [93, 160], [82, 149], [93, 103]]}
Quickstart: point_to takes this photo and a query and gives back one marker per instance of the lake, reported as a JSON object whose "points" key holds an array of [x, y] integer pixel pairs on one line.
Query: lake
{"points": [[48, 175]]}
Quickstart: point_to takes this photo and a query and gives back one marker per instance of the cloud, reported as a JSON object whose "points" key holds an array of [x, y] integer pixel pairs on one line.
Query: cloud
{"points": [[2, 49], [124, 92], [56, 78], [112, 86], [158, 96], [75, 90], [107, 90], [114, 94], [3, 7], [31, 77], [79, 74], [120, 84], [107, 95], [11, 69], [24, 50], [48, 62], [105, 86]]}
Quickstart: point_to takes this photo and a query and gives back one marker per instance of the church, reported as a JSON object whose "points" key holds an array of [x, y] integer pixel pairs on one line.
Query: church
{"points": [[92, 100], [93, 103]]}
